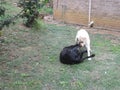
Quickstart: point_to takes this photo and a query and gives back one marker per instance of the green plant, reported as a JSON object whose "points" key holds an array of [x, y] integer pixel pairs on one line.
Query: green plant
{"points": [[46, 10], [38, 24], [31, 10], [6, 19], [2, 10], [2, 14]]}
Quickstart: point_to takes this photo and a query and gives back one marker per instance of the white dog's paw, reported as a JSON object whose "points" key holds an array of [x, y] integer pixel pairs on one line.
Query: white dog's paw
{"points": [[89, 58]]}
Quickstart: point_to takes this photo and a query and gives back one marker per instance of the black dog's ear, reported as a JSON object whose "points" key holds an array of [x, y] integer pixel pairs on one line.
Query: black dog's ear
{"points": [[76, 45]]}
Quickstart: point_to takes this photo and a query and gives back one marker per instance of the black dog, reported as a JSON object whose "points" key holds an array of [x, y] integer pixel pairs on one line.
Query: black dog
{"points": [[73, 55]]}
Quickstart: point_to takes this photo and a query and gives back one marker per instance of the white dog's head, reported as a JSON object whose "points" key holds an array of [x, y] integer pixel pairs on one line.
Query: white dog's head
{"points": [[81, 42]]}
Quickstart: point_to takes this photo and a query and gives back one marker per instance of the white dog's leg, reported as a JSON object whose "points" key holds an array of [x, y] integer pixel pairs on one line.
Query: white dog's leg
{"points": [[88, 54], [88, 51]]}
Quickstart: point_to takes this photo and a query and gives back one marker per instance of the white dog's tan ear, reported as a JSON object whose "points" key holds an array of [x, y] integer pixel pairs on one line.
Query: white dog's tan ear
{"points": [[76, 40]]}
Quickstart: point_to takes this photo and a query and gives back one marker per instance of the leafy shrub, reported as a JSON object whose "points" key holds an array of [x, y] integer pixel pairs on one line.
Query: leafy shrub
{"points": [[5, 19], [30, 11], [39, 24], [2, 10]]}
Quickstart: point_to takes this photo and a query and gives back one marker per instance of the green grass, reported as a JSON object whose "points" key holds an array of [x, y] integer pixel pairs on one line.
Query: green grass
{"points": [[11, 9], [29, 60], [46, 10]]}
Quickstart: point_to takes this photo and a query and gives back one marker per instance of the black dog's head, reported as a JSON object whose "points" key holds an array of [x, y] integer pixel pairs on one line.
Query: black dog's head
{"points": [[73, 54]]}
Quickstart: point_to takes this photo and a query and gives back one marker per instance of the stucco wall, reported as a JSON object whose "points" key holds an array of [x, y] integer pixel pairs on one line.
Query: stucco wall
{"points": [[105, 13]]}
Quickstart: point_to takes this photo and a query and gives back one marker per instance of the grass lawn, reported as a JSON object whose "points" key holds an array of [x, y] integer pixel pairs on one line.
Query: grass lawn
{"points": [[29, 60]]}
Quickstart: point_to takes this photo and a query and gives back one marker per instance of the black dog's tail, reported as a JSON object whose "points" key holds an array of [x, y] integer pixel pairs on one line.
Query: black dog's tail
{"points": [[88, 56]]}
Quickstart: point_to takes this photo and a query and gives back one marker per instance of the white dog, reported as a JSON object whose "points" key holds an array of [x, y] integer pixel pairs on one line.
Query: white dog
{"points": [[83, 39]]}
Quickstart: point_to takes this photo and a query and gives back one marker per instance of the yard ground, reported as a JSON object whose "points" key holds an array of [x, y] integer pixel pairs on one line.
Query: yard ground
{"points": [[29, 59]]}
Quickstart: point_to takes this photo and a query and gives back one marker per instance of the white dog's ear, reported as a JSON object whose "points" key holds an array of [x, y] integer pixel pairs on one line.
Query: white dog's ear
{"points": [[77, 40]]}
